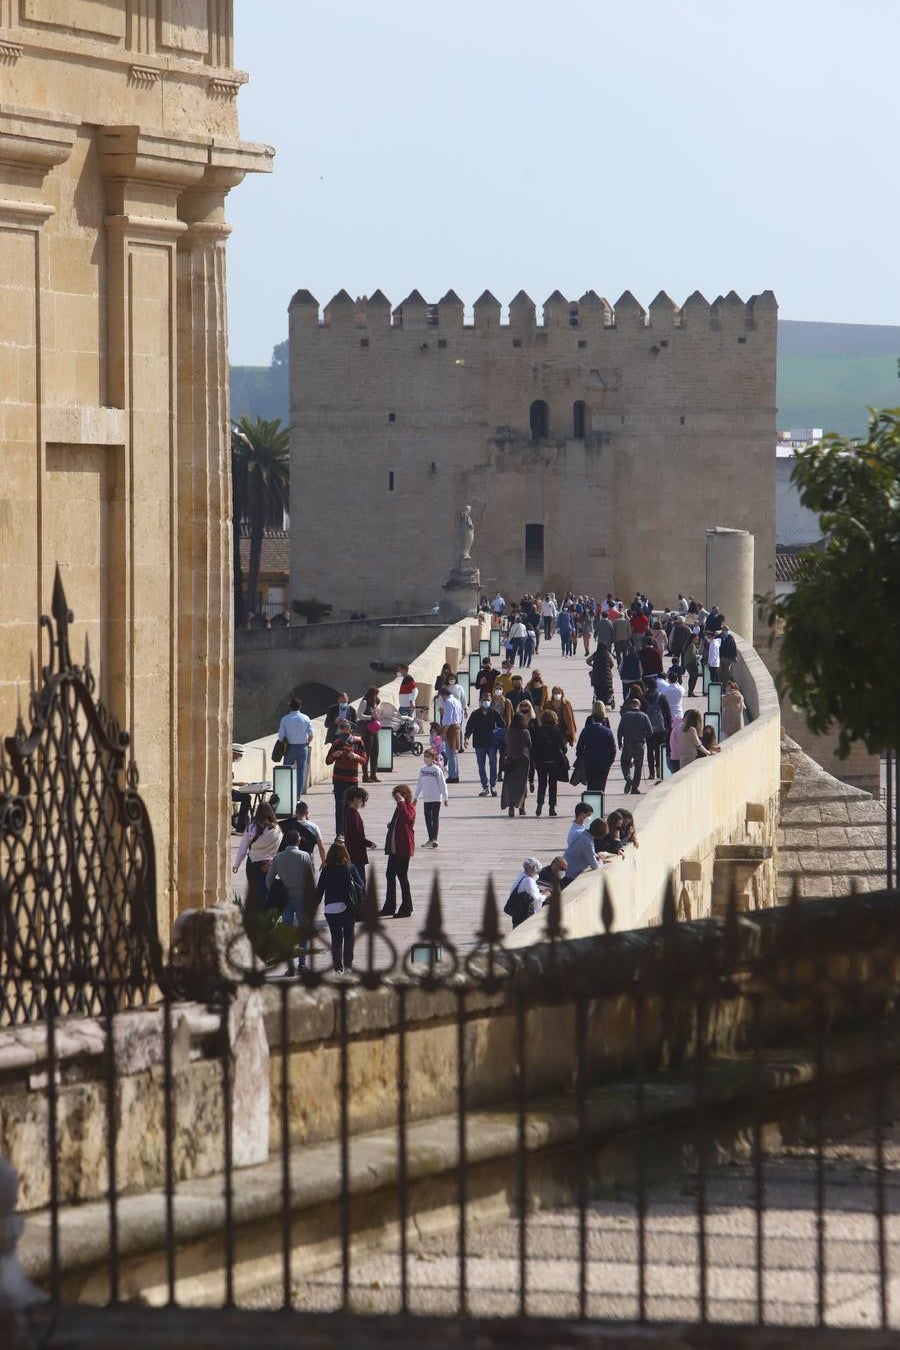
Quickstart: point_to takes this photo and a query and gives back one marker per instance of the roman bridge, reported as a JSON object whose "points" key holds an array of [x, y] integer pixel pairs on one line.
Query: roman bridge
{"points": [[702, 829]]}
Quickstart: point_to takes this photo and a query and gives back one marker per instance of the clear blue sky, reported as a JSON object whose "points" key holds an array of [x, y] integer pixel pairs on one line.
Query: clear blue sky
{"points": [[669, 144]]}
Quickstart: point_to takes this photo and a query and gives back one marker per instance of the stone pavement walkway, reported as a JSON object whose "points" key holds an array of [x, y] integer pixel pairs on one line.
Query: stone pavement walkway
{"points": [[476, 839], [672, 1246]]}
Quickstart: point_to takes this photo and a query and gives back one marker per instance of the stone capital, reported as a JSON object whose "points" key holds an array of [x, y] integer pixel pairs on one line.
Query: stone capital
{"points": [[32, 143], [149, 171]]}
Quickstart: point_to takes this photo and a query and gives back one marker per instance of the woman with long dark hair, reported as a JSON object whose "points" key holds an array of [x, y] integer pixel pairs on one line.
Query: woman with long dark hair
{"points": [[355, 841], [368, 726], [548, 750], [516, 767], [335, 887], [260, 842]]}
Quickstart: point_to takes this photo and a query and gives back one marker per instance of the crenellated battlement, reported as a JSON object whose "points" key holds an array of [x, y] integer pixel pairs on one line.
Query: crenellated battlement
{"points": [[591, 313]]}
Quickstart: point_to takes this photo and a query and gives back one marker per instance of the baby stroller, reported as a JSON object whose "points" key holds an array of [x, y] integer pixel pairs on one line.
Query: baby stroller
{"points": [[403, 727]]}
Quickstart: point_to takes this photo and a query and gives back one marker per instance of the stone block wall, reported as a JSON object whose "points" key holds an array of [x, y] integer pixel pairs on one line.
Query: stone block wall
{"points": [[423, 413], [118, 145]]}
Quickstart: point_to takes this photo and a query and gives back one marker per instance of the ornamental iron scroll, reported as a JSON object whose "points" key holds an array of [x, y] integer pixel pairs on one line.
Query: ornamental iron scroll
{"points": [[77, 863]]}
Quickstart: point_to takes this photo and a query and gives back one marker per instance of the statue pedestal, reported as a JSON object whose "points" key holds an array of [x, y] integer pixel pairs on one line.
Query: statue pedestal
{"points": [[462, 591]]}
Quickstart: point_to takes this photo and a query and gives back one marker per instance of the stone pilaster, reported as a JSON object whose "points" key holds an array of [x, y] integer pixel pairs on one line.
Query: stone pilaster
{"points": [[205, 638]]}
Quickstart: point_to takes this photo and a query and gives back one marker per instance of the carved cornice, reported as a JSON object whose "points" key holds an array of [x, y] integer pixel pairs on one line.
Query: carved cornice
{"points": [[10, 52], [223, 87], [143, 77], [35, 141]]}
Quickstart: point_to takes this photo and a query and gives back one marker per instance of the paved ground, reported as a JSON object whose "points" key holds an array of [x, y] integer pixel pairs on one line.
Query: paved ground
{"points": [[789, 1254], [476, 839]]}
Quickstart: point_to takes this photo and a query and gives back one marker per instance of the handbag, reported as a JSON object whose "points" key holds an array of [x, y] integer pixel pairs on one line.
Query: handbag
{"points": [[278, 749], [356, 895], [373, 726], [276, 895], [576, 777], [562, 769], [498, 736]]}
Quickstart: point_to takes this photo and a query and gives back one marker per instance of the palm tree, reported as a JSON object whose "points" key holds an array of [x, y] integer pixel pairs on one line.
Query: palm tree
{"points": [[260, 478]]}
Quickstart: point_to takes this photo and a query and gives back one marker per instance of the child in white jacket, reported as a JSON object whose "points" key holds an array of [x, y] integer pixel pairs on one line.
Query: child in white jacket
{"points": [[432, 788]]}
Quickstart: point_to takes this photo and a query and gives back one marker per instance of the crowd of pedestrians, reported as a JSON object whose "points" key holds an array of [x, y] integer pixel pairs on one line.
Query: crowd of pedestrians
{"points": [[526, 742]]}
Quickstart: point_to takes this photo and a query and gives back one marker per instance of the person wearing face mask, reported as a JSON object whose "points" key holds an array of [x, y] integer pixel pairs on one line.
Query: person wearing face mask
{"points": [[564, 713], [480, 728], [537, 691], [343, 710]]}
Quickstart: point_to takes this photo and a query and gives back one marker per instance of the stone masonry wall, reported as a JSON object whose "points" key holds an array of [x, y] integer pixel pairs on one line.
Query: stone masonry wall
{"points": [[422, 414], [118, 145]]}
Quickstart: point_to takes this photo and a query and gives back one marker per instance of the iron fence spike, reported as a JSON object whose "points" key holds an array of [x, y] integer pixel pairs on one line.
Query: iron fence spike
{"points": [[670, 906], [434, 919], [607, 910], [490, 919]]}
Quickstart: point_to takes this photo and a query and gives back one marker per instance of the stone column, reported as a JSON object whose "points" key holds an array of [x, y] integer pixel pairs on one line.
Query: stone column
{"points": [[203, 555], [729, 577]]}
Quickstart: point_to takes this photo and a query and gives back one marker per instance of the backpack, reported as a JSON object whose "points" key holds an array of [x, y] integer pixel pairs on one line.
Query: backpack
{"points": [[656, 715], [308, 839]]}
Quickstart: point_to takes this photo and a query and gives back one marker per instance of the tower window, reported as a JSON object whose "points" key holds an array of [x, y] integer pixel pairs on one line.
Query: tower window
{"points": [[391, 481], [392, 417], [579, 418], [539, 420], [534, 548]]}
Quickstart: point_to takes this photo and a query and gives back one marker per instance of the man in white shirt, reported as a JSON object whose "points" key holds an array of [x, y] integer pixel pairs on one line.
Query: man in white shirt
{"points": [[673, 693], [408, 690], [517, 635], [296, 730], [498, 604], [451, 722], [548, 614], [713, 658]]}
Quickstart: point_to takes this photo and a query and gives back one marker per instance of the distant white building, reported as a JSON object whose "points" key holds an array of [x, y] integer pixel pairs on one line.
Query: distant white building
{"points": [[794, 524]]}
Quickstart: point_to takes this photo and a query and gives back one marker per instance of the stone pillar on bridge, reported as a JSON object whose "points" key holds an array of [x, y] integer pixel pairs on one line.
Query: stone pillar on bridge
{"points": [[729, 577]]}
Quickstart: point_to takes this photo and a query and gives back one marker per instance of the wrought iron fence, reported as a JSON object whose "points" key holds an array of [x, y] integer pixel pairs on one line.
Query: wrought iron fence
{"points": [[77, 867], [691, 1123]]}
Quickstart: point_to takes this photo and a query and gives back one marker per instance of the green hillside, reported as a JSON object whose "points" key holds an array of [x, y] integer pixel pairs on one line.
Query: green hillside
{"points": [[834, 392]]}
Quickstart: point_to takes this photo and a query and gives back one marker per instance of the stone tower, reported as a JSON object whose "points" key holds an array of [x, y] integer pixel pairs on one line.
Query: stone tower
{"points": [[118, 145], [595, 448]]}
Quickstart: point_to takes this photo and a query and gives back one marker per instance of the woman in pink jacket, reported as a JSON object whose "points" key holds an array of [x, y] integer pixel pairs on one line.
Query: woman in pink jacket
{"points": [[400, 845]]}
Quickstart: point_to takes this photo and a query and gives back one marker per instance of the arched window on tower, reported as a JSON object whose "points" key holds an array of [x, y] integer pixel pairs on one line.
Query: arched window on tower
{"points": [[540, 420], [579, 419]]}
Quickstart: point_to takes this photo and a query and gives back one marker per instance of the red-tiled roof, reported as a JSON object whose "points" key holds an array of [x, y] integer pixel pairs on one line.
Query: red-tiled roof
{"points": [[276, 552]]}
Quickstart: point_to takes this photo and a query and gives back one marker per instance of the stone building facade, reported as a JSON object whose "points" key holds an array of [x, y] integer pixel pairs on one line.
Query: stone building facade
{"points": [[118, 145], [595, 447]]}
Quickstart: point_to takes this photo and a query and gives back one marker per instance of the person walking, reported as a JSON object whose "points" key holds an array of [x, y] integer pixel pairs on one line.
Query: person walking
{"points": [[259, 844], [587, 629], [537, 691], [548, 751], [660, 717], [548, 615], [294, 869], [596, 750], [517, 635], [633, 735], [345, 755], [565, 626], [400, 846], [516, 767], [354, 831], [451, 722], [295, 730], [602, 666], [432, 788], [337, 882], [480, 728], [564, 712], [621, 636], [690, 660], [368, 725], [714, 657], [342, 709]]}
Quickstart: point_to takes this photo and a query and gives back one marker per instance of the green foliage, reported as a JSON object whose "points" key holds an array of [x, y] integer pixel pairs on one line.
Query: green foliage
{"points": [[840, 653], [272, 940], [260, 488]]}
